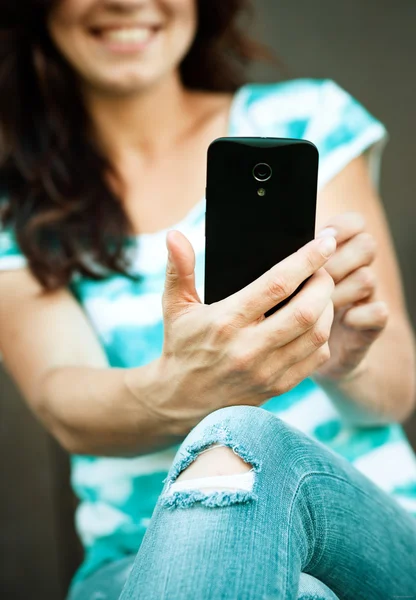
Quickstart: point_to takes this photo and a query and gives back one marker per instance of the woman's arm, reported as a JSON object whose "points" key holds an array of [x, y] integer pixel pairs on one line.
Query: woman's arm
{"points": [[213, 356], [93, 411], [51, 351], [382, 387]]}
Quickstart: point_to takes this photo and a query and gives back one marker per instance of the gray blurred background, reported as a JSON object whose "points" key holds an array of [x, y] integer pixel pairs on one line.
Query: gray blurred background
{"points": [[369, 48]]}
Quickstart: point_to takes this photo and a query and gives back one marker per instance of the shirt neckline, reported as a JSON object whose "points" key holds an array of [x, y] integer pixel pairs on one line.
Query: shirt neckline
{"points": [[195, 212]]}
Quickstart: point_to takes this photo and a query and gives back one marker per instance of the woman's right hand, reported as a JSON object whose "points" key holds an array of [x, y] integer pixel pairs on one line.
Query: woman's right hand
{"points": [[228, 353]]}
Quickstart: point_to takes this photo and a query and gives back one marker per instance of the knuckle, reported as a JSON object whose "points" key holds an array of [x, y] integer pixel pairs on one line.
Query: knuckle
{"points": [[366, 280], [382, 313], [261, 378], [291, 356], [278, 288], [282, 387], [239, 317], [368, 245], [320, 335], [241, 361], [305, 316], [222, 328]]}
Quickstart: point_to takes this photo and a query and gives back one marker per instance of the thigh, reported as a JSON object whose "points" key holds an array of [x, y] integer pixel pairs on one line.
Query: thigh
{"points": [[105, 584]]}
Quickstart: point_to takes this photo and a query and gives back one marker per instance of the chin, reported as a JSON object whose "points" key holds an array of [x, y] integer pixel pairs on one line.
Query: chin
{"points": [[122, 84], [125, 86]]}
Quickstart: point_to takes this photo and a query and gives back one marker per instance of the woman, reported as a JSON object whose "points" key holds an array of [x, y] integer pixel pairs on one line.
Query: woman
{"points": [[203, 426]]}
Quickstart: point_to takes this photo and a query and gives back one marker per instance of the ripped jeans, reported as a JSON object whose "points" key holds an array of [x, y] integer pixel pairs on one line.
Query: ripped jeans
{"points": [[296, 521]]}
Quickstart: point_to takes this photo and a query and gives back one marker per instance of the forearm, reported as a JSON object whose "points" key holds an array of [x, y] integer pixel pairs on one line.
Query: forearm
{"points": [[93, 411], [382, 389]]}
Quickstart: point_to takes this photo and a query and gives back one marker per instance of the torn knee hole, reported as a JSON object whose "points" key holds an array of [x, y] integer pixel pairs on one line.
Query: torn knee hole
{"points": [[214, 461], [215, 469]]}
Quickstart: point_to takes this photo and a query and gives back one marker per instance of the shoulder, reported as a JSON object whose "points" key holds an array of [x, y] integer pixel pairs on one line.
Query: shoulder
{"points": [[294, 101], [283, 93], [318, 110], [301, 100]]}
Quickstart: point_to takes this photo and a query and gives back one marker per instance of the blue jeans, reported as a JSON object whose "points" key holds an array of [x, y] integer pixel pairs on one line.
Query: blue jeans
{"points": [[309, 526]]}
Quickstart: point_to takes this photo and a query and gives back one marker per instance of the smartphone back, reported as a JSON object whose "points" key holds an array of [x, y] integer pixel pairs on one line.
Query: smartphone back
{"points": [[260, 208]]}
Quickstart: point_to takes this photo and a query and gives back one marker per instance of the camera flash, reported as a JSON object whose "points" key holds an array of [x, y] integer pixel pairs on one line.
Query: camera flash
{"points": [[261, 192]]}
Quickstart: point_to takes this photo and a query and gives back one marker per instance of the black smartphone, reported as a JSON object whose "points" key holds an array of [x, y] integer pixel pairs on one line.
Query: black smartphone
{"points": [[260, 208]]}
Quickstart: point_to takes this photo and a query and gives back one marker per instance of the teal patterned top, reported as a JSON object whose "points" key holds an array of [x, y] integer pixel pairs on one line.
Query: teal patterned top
{"points": [[117, 495]]}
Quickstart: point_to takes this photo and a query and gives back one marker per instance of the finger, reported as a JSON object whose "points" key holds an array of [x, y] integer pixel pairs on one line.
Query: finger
{"points": [[300, 315], [359, 251], [357, 286], [303, 346], [367, 317], [179, 289], [277, 284], [343, 227], [300, 371]]}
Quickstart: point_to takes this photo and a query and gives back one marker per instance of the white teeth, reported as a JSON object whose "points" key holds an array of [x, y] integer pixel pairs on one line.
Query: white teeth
{"points": [[128, 35]]}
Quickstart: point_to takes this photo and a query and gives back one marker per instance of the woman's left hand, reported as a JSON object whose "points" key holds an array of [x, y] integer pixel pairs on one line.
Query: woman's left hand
{"points": [[359, 317]]}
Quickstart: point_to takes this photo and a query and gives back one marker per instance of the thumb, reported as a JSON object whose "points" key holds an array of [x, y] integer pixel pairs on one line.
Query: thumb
{"points": [[180, 287]]}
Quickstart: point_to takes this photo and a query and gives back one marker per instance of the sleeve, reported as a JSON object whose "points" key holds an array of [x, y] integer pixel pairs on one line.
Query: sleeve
{"points": [[11, 256], [343, 129]]}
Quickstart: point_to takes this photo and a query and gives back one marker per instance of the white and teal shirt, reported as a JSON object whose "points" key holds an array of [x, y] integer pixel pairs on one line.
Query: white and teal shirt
{"points": [[117, 495]]}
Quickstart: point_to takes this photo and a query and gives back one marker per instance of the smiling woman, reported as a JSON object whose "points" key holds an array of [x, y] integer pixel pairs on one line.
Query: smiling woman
{"points": [[130, 47], [62, 54], [197, 432]]}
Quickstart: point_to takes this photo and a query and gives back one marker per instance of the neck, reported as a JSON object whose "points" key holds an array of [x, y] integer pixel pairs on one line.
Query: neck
{"points": [[144, 123]]}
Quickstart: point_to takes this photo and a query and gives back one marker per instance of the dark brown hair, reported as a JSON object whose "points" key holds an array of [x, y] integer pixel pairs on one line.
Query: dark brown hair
{"points": [[53, 178]]}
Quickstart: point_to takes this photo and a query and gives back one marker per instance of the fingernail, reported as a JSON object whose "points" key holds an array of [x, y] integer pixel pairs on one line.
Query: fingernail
{"points": [[327, 232], [328, 246]]}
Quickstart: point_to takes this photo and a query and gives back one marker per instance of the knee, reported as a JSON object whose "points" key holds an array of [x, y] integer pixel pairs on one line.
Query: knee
{"points": [[239, 419], [235, 443], [222, 440], [220, 458], [238, 427], [217, 476], [214, 465], [223, 428], [215, 461]]}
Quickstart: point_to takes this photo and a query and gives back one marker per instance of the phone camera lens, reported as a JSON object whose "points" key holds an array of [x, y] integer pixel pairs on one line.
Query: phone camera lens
{"points": [[262, 172]]}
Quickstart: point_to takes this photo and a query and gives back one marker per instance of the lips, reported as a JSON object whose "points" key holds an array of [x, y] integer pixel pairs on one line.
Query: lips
{"points": [[125, 38]]}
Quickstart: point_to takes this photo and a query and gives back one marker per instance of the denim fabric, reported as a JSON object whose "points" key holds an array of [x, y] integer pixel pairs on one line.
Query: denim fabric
{"points": [[310, 512], [108, 583]]}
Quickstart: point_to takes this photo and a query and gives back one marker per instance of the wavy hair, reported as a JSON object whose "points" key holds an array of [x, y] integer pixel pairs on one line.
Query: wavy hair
{"points": [[53, 176]]}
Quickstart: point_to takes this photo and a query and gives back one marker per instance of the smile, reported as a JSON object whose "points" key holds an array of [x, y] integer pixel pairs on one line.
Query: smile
{"points": [[124, 38], [133, 34]]}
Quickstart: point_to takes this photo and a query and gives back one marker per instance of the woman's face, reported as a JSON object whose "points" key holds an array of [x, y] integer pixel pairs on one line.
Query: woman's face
{"points": [[123, 46]]}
